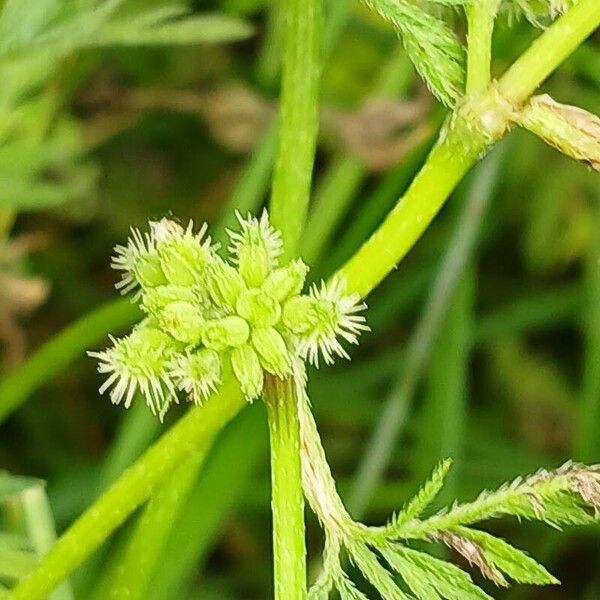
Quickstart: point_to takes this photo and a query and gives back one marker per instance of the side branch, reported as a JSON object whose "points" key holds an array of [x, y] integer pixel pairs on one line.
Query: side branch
{"points": [[480, 122]]}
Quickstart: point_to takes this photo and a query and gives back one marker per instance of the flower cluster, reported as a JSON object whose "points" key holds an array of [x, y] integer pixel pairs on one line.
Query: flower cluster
{"points": [[207, 316]]}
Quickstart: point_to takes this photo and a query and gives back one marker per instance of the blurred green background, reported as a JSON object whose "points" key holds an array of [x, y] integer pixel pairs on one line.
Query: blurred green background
{"points": [[486, 340]]}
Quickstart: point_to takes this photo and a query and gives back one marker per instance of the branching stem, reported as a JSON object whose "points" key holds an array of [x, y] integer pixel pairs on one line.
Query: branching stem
{"points": [[547, 52], [461, 145]]}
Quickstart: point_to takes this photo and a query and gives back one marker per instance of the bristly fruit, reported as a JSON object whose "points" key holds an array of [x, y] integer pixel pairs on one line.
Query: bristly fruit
{"points": [[207, 315]]}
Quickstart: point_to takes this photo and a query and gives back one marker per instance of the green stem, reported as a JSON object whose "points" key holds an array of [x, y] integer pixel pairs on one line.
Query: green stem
{"points": [[286, 490], [445, 167], [298, 126], [387, 429], [460, 147], [480, 20], [136, 567], [345, 175], [130, 491], [547, 52], [298, 121]]}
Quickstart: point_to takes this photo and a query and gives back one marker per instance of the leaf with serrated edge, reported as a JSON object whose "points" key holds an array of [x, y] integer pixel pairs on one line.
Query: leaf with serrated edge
{"points": [[374, 572], [548, 496], [347, 590], [424, 497], [431, 45], [416, 579], [448, 580], [514, 562]]}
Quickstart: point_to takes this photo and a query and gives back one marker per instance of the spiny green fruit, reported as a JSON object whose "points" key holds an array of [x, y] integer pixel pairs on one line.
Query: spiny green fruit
{"points": [[206, 313]]}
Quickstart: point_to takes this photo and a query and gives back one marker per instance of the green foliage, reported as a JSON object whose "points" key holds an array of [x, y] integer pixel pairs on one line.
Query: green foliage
{"points": [[26, 518], [42, 151], [568, 496], [424, 497], [436, 52], [431, 45], [81, 25]]}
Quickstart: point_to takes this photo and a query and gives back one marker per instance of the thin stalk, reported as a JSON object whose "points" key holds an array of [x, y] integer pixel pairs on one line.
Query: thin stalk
{"points": [[376, 205], [549, 50], [286, 490], [480, 23], [445, 167], [132, 489], [393, 416], [298, 120], [298, 127]]}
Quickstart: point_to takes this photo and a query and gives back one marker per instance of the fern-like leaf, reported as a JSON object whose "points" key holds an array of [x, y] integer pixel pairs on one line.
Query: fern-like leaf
{"points": [[519, 566], [431, 45], [569, 495], [423, 572], [424, 497], [375, 573]]}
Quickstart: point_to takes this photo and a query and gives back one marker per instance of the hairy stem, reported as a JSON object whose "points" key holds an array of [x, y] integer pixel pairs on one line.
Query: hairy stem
{"points": [[289, 551], [384, 437], [547, 52], [298, 126], [447, 164], [130, 491], [480, 18], [298, 122], [343, 178]]}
